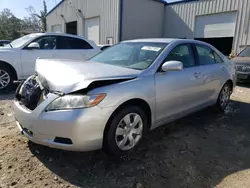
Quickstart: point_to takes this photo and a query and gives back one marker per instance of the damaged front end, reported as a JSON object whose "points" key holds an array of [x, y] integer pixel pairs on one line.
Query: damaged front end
{"points": [[35, 89], [31, 93]]}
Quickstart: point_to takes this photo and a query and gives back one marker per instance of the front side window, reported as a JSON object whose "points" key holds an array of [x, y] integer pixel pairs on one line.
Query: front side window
{"points": [[184, 54], [245, 53], [46, 43], [134, 55], [70, 43]]}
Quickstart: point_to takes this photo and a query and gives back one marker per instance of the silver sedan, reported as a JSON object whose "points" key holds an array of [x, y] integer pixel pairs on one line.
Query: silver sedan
{"points": [[115, 98]]}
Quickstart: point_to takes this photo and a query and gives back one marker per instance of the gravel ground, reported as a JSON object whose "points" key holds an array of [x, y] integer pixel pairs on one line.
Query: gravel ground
{"points": [[205, 149]]}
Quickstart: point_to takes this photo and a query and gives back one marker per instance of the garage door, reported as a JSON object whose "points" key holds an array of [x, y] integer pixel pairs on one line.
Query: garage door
{"points": [[216, 25], [92, 29], [56, 28]]}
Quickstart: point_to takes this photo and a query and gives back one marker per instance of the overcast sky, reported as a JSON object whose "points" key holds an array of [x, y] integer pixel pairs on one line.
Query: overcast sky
{"points": [[18, 6]]}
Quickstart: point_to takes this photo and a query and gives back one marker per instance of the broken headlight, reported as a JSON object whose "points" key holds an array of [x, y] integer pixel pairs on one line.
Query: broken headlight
{"points": [[75, 101]]}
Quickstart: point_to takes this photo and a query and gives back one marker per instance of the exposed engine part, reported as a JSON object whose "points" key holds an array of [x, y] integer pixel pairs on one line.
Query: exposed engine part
{"points": [[29, 93]]}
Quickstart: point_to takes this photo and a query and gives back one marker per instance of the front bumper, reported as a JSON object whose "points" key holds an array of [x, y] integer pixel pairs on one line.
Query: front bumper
{"points": [[75, 130], [243, 77]]}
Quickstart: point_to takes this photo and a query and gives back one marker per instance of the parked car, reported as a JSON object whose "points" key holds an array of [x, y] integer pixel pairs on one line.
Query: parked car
{"points": [[104, 46], [17, 60], [242, 63], [4, 42], [123, 92]]}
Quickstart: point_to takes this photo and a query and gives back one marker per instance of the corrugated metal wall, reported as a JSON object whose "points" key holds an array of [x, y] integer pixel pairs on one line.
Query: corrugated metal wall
{"points": [[142, 19], [180, 18], [107, 10]]}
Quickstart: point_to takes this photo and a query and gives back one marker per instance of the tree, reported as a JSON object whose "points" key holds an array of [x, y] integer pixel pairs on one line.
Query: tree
{"points": [[42, 16], [32, 22], [10, 25], [37, 20]]}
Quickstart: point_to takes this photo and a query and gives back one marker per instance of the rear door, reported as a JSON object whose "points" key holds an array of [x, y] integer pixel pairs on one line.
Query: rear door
{"points": [[178, 91], [212, 71], [74, 48]]}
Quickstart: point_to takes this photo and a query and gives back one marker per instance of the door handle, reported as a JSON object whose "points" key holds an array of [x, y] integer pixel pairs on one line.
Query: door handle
{"points": [[197, 74], [223, 69]]}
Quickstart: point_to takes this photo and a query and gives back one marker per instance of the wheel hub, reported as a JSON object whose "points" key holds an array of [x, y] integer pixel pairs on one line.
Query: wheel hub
{"points": [[129, 131], [4, 79], [225, 95]]}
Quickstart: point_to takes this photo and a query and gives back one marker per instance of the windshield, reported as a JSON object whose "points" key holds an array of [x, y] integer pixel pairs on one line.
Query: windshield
{"points": [[134, 55], [245, 53], [20, 41]]}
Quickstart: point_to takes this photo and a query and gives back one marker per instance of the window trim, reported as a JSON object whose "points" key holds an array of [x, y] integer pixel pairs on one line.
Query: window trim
{"points": [[193, 51]]}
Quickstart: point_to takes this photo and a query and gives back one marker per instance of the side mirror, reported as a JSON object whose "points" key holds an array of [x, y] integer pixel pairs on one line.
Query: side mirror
{"points": [[172, 66], [33, 46]]}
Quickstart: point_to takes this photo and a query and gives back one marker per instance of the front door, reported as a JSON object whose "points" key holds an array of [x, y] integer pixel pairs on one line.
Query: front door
{"points": [[47, 49], [177, 91]]}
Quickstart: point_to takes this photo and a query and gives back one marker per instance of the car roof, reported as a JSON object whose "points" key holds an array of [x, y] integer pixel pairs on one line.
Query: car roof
{"points": [[57, 34], [160, 40], [164, 40]]}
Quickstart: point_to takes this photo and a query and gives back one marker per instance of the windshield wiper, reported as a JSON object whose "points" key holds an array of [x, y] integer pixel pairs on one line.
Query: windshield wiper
{"points": [[10, 45]]}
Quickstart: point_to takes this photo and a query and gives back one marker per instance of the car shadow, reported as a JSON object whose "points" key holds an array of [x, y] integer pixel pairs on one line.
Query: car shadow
{"points": [[199, 150], [7, 96], [246, 85]]}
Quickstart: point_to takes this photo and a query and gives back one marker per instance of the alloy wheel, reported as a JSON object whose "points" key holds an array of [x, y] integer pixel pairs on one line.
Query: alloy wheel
{"points": [[4, 79], [129, 131], [224, 96]]}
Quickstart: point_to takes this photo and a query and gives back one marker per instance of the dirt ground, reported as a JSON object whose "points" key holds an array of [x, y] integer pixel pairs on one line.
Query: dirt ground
{"points": [[205, 149]]}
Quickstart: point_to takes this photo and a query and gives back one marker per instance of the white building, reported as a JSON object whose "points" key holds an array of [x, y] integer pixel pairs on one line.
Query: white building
{"points": [[223, 23], [108, 21]]}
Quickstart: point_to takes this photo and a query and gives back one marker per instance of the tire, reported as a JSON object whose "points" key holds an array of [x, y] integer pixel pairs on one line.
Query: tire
{"points": [[224, 97], [7, 76], [117, 138]]}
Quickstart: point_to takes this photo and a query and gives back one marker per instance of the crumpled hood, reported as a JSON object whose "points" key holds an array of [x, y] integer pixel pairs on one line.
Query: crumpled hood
{"points": [[69, 75], [241, 60]]}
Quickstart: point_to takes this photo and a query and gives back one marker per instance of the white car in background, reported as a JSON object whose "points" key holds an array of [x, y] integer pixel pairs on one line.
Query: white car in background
{"points": [[17, 59], [104, 46]]}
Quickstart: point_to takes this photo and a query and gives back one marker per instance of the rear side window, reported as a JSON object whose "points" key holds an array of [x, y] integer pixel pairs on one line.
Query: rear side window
{"points": [[218, 58], [207, 56], [184, 54], [71, 43]]}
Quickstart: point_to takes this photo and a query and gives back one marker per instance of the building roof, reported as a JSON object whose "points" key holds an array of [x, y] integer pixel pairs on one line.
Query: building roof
{"points": [[181, 1], [55, 7], [161, 1]]}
